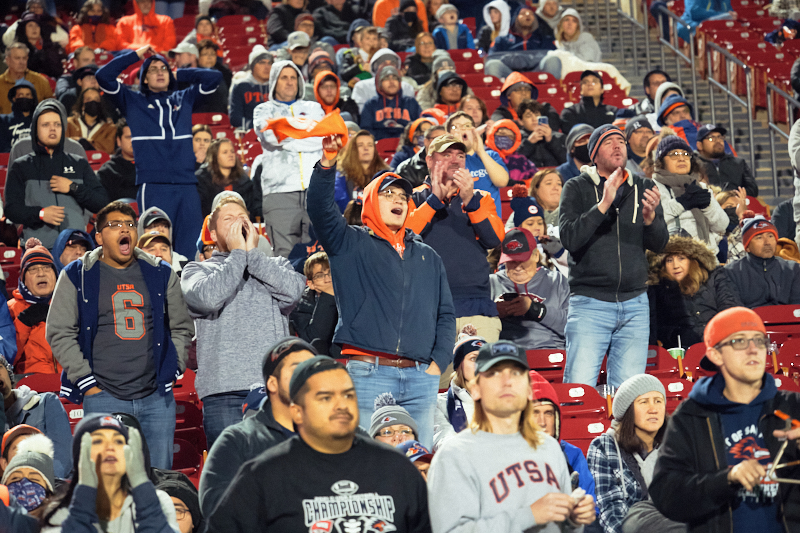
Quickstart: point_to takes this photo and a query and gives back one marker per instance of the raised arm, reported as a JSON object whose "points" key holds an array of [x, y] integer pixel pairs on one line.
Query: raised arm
{"points": [[329, 225]]}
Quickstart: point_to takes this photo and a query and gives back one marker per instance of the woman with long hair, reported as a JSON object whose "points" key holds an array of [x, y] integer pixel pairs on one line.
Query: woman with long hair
{"points": [[223, 171], [412, 140], [623, 458], [94, 28], [570, 36], [474, 107], [201, 140], [111, 486], [687, 287], [497, 16], [44, 56], [358, 164], [419, 63], [90, 125]]}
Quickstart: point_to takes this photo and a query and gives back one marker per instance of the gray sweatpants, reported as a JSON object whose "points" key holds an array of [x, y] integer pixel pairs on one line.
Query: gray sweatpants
{"points": [[286, 220]]}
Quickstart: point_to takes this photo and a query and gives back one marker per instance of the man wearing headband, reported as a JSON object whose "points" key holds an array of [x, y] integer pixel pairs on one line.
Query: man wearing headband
{"points": [[608, 218], [722, 440], [271, 425], [329, 478]]}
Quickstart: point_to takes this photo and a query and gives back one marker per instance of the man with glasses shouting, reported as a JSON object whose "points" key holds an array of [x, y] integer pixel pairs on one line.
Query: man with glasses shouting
{"points": [[121, 331], [719, 444], [396, 319], [160, 119]]}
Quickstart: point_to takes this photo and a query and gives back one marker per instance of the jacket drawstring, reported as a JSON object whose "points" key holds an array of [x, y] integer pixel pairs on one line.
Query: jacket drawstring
{"points": [[635, 201]]}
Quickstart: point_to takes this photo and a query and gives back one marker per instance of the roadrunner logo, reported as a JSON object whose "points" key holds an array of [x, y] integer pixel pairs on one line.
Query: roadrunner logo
{"points": [[348, 512]]}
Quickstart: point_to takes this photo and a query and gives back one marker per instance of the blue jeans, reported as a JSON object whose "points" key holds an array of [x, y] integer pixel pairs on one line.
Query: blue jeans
{"points": [[173, 10], [595, 327], [500, 69], [155, 413], [221, 411], [411, 387]]}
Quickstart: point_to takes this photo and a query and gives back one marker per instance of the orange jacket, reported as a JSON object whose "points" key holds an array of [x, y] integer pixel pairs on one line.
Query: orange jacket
{"points": [[383, 10], [34, 355], [95, 36], [137, 30]]}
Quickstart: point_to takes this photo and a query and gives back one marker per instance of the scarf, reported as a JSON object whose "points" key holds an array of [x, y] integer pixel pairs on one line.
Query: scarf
{"points": [[676, 184]]}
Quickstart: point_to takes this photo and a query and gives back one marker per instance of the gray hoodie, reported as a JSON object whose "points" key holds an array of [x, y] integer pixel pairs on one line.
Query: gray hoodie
{"points": [[240, 302], [584, 47]]}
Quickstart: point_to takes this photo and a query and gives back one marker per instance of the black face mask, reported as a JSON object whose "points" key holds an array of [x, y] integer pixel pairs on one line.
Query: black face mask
{"points": [[410, 17], [24, 105], [92, 108], [733, 218], [581, 153]]}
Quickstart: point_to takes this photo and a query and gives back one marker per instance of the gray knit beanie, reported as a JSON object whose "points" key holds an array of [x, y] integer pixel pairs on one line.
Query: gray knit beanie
{"points": [[388, 413], [631, 389], [35, 452]]}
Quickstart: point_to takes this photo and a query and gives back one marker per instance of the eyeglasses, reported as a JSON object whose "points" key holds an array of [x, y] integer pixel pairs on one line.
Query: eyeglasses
{"points": [[742, 343], [319, 276], [590, 81], [461, 127], [386, 432], [395, 195], [180, 512], [155, 68], [676, 154], [426, 43], [714, 138], [39, 269], [118, 224]]}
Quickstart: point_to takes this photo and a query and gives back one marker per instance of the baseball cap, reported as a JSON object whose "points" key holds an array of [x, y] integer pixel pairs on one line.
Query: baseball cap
{"points": [[726, 323], [443, 142], [708, 129], [636, 123], [184, 48], [154, 215], [88, 70], [496, 352], [594, 73], [390, 178], [78, 237], [17, 431], [279, 351], [415, 451], [308, 368], [298, 39], [147, 238], [518, 245]]}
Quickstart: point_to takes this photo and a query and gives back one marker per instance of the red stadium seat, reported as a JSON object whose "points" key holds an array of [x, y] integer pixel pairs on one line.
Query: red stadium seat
{"points": [[74, 412], [42, 382], [4, 159], [581, 432], [212, 119], [691, 362], [782, 321], [386, 147], [10, 259], [185, 455], [487, 93], [223, 132], [187, 415], [580, 401], [548, 363], [677, 391], [96, 158], [236, 20], [764, 24], [786, 384], [661, 364], [183, 389], [542, 78], [481, 80]]}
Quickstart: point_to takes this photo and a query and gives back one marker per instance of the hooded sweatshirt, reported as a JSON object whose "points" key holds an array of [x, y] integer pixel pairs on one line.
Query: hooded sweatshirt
{"points": [[485, 39], [453, 399], [161, 123], [15, 125], [291, 161], [28, 190], [540, 38], [445, 78], [506, 111], [386, 116], [118, 176], [520, 168], [246, 94], [61, 244], [752, 511], [400, 303], [345, 106], [138, 30], [658, 99], [551, 21], [584, 47]]}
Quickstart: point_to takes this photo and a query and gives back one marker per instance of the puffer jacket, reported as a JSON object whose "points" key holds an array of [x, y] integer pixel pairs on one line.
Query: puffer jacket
{"points": [[289, 162], [698, 223], [673, 313], [34, 355]]}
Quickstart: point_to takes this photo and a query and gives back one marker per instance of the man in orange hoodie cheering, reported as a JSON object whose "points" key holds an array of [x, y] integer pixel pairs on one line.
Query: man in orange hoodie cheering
{"points": [[396, 317], [144, 28]]}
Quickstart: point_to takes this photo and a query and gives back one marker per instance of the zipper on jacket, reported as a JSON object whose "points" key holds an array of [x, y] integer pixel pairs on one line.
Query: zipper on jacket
{"points": [[402, 305], [716, 462], [619, 258]]}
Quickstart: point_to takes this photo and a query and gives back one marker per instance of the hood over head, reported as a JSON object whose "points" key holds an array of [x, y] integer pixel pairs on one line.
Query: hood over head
{"points": [[173, 83], [321, 77], [450, 77], [64, 239], [415, 126], [382, 55], [572, 12], [688, 246], [504, 123], [505, 16], [275, 72], [544, 392], [47, 106], [358, 23], [671, 104], [387, 70], [513, 79], [664, 87], [371, 212], [12, 92]]}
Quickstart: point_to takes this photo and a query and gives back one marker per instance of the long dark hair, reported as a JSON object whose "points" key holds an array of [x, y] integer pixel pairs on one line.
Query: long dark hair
{"points": [[77, 109], [21, 37], [213, 164], [83, 16], [63, 498], [627, 438]]}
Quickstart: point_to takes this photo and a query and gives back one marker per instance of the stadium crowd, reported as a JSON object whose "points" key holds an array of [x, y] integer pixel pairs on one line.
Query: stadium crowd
{"points": [[300, 245]]}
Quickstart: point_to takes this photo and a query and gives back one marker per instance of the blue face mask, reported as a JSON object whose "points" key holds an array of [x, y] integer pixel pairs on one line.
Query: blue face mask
{"points": [[29, 494], [504, 143], [95, 19]]}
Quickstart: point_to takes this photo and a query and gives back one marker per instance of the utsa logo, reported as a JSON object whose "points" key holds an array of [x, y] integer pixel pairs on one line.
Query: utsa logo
{"points": [[748, 448], [518, 475], [395, 113]]}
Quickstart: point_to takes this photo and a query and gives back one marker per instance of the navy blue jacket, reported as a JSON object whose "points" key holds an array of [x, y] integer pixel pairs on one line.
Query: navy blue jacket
{"points": [[464, 39], [387, 303], [161, 123]]}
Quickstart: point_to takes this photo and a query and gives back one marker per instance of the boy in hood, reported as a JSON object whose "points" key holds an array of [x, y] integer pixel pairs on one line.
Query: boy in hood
{"points": [[288, 163], [70, 245], [450, 89], [17, 124], [252, 89], [118, 174], [721, 441], [396, 321], [366, 88], [652, 81], [128, 368], [50, 190], [326, 91], [160, 119], [516, 89], [386, 114], [146, 28], [591, 110]]}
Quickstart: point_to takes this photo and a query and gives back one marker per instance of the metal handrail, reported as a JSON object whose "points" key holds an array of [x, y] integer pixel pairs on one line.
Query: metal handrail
{"points": [[667, 42], [773, 127], [748, 104], [635, 25]]}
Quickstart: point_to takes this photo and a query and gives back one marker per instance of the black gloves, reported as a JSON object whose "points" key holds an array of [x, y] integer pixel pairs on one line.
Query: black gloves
{"points": [[536, 312], [694, 197], [33, 315]]}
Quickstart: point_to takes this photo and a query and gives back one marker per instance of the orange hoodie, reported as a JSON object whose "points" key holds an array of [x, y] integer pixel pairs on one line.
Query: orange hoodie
{"points": [[414, 127], [96, 36], [371, 215], [383, 10], [318, 81], [513, 78], [504, 123], [138, 30]]}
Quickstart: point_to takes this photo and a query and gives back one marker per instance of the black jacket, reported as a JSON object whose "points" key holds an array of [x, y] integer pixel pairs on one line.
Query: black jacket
{"points": [[401, 35], [414, 169], [249, 189], [543, 153], [607, 251], [418, 70], [783, 219], [673, 313], [236, 445], [586, 112], [281, 23], [730, 172], [332, 23], [773, 281], [13, 127], [314, 319], [690, 481], [118, 176]]}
